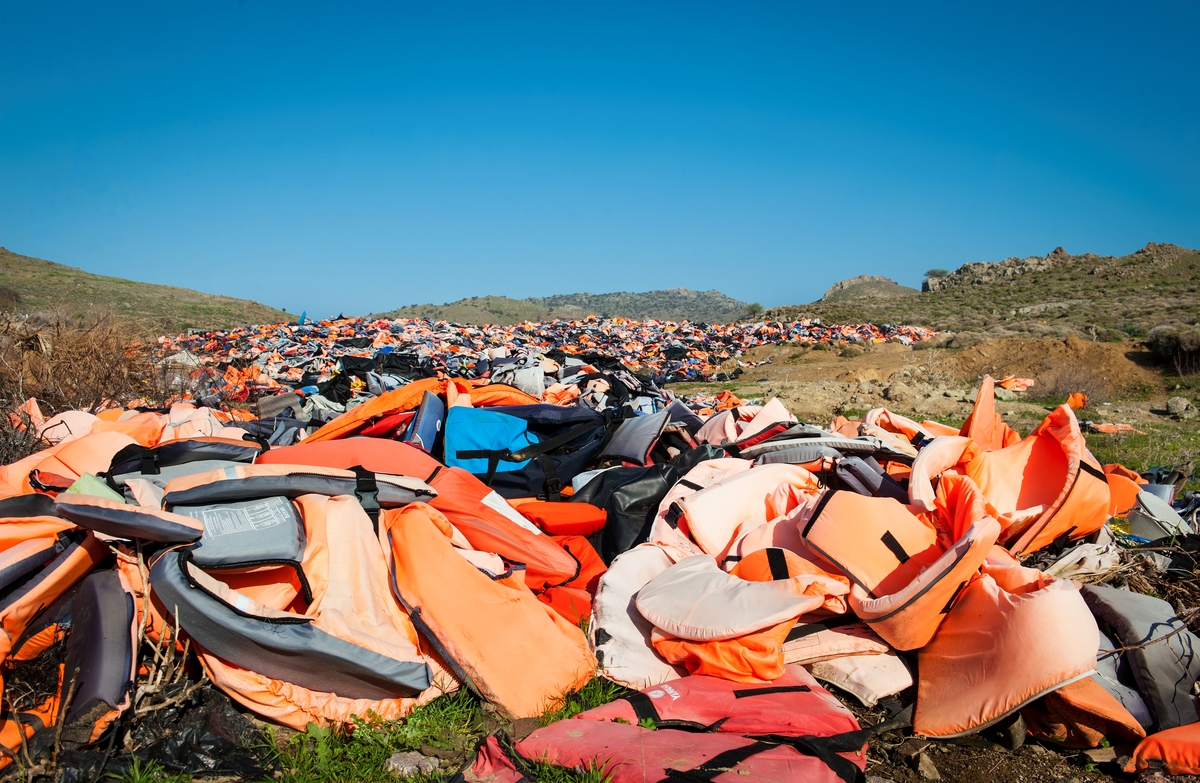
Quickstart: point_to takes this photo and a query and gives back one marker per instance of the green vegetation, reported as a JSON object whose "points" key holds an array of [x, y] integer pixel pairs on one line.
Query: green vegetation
{"points": [[148, 772], [1095, 297], [674, 304], [1165, 445], [936, 272], [31, 285], [866, 287], [1178, 344], [448, 728]]}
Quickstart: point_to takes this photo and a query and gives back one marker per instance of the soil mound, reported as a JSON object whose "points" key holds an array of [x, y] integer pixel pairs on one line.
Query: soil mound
{"points": [[1120, 366]]}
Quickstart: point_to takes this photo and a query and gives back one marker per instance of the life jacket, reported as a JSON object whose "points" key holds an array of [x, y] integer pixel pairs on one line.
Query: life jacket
{"points": [[76, 556], [573, 600], [866, 477], [1118, 681], [1042, 488], [665, 531], [563, 519], [867, 678], [746, 424], [31, 535], [275, 430], [909, 617], [159, 464], [814, 457], [1123, 487], [635, 438], [591, 567], [782, 448], [488, 522], [18, 726], [633, 754], [794, 705], [837, 637], [695, 600], [524, 450], [391, 426], [49, 627], [915, 433], [980, 666], [1081, 714], [722, 427], [905, 582], [783, 533], [54, 469], [1164, 657], [227, 501], [532, 657], [102, 656], [757, 655], [426, 426], [146, 428], [1177, 749], [619, 634], [324, 625], [985, 426], [408, 397], [717, 515], [893, 442]]}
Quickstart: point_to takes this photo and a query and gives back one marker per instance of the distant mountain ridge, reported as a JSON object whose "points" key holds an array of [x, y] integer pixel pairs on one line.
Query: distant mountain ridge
{"points": [[672, 304], [30, 285]]}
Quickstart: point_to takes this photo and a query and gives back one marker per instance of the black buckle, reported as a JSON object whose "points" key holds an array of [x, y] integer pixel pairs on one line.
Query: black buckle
{"points": [[367, 491]]}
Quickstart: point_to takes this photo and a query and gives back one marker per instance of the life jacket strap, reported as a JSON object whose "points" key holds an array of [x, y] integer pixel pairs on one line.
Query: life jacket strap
{"points": [[367, 492]]}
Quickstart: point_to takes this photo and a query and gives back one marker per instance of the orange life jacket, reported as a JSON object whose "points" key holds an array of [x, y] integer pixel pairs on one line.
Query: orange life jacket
{"points": [[1040, 489], [493, 633], [980, 666]]}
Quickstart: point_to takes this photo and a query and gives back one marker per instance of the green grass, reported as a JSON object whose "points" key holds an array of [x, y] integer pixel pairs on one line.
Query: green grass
{"points": [[39, 285], [148, 772], [452, 725], [1162, 444], [597, 692]]}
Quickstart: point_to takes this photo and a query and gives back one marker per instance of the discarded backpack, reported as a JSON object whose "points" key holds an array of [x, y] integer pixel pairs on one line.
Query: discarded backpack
{"points": [[524, 450]]}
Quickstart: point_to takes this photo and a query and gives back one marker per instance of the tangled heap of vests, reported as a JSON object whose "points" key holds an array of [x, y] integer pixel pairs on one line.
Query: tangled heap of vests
{"points": [[456, 534], [244, 361]]}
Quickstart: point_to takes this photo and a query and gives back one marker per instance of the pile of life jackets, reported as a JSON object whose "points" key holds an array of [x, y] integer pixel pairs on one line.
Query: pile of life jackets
{"points": [[371, 356], [452, 533]]}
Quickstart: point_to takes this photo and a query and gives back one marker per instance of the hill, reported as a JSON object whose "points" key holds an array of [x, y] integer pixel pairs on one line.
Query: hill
{"points": [[674, 304], [866, 287], [29, 285], [1057, 295]]}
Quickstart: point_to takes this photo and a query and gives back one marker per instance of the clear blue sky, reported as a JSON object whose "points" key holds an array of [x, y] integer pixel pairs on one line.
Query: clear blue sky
{"points": [[355, 157]]}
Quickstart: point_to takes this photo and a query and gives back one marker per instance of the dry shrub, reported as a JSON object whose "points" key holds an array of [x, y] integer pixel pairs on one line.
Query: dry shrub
{"points": [[69, 362], [932, 368], [1178, 344], [1066, 379], [17, 438]]}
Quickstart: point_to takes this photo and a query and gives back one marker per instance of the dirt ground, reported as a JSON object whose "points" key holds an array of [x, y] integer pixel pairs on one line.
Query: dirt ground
{"points": [[937, 382]]}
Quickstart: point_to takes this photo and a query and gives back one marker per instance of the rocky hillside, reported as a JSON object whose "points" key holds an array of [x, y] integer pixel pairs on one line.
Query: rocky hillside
{"points": [[30, 285], [1107, 298], [675, 304], [865, 287]]}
